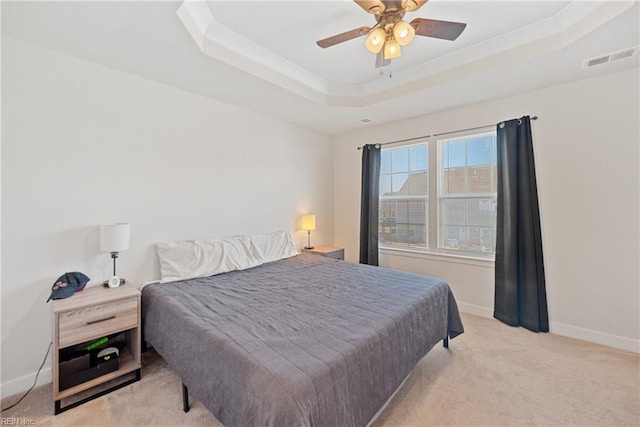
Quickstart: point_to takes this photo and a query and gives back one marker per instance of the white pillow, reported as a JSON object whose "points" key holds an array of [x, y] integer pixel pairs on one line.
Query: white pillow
{"points": [[275, 246], [203, 258]]}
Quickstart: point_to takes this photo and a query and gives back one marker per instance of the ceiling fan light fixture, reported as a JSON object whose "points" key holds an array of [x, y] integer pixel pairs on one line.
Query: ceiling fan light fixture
{"points": [[403, 33], [391, 49], [375, 40], [391, 32]]}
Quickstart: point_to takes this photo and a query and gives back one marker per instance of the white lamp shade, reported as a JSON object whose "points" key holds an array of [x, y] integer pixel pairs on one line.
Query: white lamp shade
{"points": [[114, 237], [309, 222]]}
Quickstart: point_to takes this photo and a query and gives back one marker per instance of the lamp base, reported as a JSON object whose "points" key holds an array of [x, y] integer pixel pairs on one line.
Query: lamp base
{"points": [[309, 247], [106, 283]]}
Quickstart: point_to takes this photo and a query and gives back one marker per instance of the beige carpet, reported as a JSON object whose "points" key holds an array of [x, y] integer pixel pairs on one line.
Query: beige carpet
{"points": [[491, 375]]}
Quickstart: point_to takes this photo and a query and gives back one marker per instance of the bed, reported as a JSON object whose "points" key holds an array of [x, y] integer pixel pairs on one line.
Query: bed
{"points": [[300, 341]]}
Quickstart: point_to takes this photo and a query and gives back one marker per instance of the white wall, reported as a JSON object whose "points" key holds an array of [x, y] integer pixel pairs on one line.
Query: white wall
{"points": [[84, 144], [586, 146]]}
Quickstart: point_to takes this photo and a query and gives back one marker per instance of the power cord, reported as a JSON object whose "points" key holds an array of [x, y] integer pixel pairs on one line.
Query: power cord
{"points": [[34, 381]]}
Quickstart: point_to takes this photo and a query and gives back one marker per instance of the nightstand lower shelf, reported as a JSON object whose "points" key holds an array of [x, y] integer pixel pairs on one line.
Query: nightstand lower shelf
{"points": [[127, 365], [116, 374]]}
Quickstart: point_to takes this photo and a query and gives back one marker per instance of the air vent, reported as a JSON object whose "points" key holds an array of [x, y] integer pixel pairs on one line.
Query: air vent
{"points": [[610, 57], [623, 54]]}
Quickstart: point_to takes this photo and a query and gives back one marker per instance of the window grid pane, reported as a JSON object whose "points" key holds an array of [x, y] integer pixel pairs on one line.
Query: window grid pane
{"points": [[403, 223], [468, 225], [468, 166]]}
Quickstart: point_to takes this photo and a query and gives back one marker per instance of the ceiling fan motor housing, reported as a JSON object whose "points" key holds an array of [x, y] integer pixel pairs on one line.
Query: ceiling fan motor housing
{"points": [[388, 19]]}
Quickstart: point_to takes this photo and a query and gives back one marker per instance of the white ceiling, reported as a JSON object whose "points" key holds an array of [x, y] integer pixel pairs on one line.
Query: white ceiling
{"points": [[349, 62], [262, 55]]}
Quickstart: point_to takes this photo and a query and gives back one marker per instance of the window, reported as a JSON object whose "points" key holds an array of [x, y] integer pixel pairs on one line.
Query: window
{"points": [[467, 194], [463, 174], [404, 195]]}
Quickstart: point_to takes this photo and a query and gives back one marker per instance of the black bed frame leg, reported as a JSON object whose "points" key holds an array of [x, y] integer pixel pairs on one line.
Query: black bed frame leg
{"points": [[445, 342], [185, 398]]}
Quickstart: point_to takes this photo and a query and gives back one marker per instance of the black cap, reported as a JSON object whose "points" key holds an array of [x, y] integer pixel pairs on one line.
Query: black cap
{"points": [[67, 285]]}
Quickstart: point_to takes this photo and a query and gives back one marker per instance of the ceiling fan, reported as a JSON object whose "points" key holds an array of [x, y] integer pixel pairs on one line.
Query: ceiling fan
{"points": [[390, 32]]}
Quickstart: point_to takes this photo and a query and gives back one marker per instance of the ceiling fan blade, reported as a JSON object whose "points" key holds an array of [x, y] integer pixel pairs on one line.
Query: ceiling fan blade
{"points": [[372, 6], [343, 37], [380, 61], [411, 5], [438, 29]]}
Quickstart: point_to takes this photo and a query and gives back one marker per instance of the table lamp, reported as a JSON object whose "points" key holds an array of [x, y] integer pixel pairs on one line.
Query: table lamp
{"points": [[114, 238], [309, 224]]}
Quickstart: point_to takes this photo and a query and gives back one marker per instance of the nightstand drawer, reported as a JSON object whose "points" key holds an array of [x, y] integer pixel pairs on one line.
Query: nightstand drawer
{"points": [[95, 321]]}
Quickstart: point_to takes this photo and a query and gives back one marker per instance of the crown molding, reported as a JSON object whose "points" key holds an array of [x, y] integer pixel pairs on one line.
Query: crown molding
{"points": [[548, 35]]}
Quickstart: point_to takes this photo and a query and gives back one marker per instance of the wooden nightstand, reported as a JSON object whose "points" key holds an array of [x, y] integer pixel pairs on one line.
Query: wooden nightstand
{"points": [[85, 317], [327, 251]]}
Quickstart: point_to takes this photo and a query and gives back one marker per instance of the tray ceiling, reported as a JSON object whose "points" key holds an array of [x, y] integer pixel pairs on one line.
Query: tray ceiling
{"points": [[262, 55], [276, 41]]}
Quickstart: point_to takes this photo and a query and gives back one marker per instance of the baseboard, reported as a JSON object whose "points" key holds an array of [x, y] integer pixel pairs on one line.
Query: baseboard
{"points": [[576, 332], [22, 384], [597, 337], [476, 310]]}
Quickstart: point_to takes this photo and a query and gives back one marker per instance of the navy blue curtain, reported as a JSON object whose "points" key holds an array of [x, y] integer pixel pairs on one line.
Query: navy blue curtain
{"points": [[369, 198], [520, 294]]}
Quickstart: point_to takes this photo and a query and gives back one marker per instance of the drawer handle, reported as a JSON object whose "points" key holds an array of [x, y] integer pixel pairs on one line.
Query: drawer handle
{"points": [[101, 320]]}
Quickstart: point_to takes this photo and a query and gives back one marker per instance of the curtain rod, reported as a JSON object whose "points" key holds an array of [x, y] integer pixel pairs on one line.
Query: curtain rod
{"points": [[439, 134]]}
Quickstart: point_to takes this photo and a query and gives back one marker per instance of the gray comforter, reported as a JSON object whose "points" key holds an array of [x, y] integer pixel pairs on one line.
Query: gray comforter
{"points": [[298, 342]]}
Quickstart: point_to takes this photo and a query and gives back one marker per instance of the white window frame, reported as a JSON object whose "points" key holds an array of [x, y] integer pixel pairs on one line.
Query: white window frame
{"points": [[434, 167], [412, 197], [463, 196]]}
